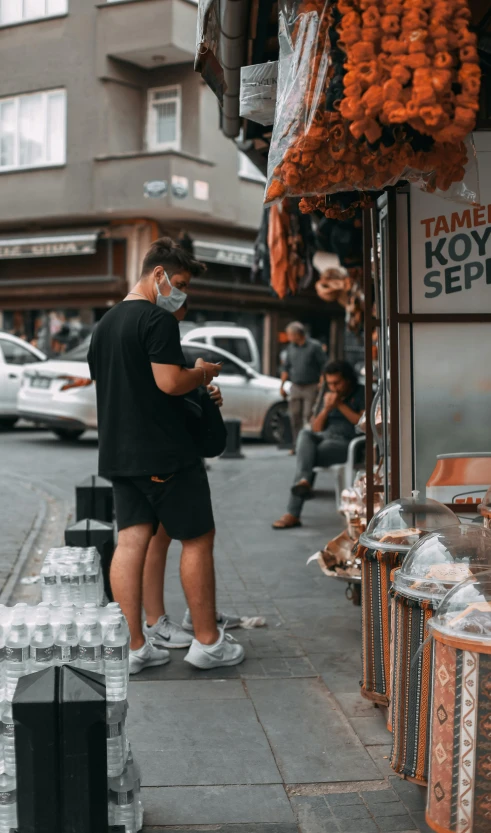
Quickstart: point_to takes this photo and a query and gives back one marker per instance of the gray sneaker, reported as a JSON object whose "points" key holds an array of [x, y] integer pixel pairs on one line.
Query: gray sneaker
{"points": [[226, 651], [147, 657], [167, 634], [224, 620]]}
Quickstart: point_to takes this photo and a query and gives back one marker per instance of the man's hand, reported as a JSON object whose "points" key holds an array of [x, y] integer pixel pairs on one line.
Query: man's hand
{"points": [[210, 370], [215, 395], [283, 392], [331, 400]]}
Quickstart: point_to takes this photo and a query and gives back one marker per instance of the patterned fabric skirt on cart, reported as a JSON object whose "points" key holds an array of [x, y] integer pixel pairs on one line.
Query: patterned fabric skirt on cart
{"points": [[411, 678], [459, 783], [376, 567]]}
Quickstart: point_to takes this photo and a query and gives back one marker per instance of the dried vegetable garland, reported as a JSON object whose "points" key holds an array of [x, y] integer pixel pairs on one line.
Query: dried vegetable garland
{"points": [[398, 107], [405, 61]]}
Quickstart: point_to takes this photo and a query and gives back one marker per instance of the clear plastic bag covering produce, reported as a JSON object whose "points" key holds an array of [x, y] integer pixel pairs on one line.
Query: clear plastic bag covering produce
{"points": [[258, 86], [321, 146]]}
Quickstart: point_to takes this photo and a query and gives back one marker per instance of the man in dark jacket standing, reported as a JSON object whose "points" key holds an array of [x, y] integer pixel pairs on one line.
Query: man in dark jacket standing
{"points": [[137, 363]]}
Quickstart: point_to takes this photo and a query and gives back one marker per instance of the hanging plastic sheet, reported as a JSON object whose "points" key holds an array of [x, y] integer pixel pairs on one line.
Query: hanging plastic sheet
{"points": [[258, 87], [207, 60]]}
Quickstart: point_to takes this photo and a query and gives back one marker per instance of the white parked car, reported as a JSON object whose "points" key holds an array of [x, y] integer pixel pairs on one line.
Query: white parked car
{"points": [[14, 354], [238, 341], [60, 394]]}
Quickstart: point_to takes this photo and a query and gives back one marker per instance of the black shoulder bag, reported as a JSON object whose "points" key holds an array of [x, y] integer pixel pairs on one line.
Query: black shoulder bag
{"points": [[205, 423]]}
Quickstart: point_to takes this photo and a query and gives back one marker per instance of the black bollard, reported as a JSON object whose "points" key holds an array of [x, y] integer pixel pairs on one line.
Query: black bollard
{"points": [[61, 752], [94, 499], [90, 533], [232, 449], [285, 426], [36, 714], [83, 751]]}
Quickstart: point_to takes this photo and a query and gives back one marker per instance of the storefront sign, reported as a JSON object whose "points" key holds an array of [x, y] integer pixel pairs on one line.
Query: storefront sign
{"points": [[224, 253], [155, 188], [45, 246], [451, 251], [449, 393]]}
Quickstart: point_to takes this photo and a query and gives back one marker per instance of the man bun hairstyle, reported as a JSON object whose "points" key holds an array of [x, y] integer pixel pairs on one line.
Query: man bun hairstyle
{"points": [[172, 257], [345, 369]]}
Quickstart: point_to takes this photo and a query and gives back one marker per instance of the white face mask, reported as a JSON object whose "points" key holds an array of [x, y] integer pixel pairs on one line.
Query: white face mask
{"points": [[171, 302]]}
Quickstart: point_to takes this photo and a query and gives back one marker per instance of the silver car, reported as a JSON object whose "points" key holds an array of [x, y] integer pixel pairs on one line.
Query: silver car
{"points": [[58, 393]]}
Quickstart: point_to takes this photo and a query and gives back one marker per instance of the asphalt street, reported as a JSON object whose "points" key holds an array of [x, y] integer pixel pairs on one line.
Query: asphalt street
{"points": [[280, 744]]}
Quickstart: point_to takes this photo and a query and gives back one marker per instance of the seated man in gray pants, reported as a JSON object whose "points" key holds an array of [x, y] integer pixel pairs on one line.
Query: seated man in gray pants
{"points": [[326, 443]]}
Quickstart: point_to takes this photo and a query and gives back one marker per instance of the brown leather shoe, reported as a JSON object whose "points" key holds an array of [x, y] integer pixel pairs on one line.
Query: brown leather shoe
{"points": [[302, 489], [287, 522]]}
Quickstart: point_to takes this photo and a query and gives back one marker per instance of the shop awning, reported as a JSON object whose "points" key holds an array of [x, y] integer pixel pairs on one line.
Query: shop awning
{"points": [[235, 254], [56, 244]]}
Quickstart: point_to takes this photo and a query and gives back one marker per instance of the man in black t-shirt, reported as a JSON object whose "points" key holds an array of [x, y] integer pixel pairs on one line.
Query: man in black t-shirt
{"points": [[137, 363], [326, 442]]}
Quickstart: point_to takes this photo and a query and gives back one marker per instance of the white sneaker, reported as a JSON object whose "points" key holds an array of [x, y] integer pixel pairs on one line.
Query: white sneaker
{"points": [[226, 651], [167, 634], [224, 620], [147, 656]]}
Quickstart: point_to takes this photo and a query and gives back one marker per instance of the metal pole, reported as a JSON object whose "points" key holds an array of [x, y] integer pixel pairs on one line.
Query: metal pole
{"points": [[368, 293], [395, 462]]}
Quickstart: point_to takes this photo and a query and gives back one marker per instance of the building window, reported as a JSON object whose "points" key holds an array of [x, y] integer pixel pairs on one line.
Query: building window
{"points": [[247, 169], [164, 119], [16, 11], [32, 130]]}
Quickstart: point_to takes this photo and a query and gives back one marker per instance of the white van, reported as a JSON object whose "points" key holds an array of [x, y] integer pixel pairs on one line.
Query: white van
{"points": [[236, 340]]}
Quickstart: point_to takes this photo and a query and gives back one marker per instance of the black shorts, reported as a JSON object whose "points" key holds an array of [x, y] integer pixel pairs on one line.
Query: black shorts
{"points": [[181, 502]]}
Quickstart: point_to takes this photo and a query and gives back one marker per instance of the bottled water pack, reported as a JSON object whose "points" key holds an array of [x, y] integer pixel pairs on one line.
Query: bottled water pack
{"points": [[72, 575], [83, 635]]}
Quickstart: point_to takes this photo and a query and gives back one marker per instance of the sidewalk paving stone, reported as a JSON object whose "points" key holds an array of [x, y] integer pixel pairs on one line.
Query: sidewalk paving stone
{"points": [[284, 827], [199, 741], [310, 739], [371, 729], [216, 805]]}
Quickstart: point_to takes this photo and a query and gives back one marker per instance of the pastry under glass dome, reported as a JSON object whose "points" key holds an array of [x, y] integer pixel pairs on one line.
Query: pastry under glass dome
{"points": [[403, 522], [442, 559], [465, 611]]}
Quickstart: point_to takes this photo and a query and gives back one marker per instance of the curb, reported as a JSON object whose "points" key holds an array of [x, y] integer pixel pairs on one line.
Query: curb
{"points": [[24, 553]]}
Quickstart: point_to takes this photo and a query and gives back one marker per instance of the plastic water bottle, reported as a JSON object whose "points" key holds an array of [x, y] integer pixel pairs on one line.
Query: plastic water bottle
{"points": [[135, 774], [3, 635], [72, 583], [42, 642], [122, 802], [64, 577], [116, 659], [92, 573], [66, 639], [115, 740], [8, 734], [50, 588], [114, 607], [90, 643], [8, 803], [16, 652]]}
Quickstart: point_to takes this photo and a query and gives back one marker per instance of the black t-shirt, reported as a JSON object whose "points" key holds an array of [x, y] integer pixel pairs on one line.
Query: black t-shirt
{"points": [[141, 429]]}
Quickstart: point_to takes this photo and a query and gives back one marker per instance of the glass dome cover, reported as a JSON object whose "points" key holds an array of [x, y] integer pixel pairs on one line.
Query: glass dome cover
{"points": [[465, 611], [442, 559], [403, 522]]}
